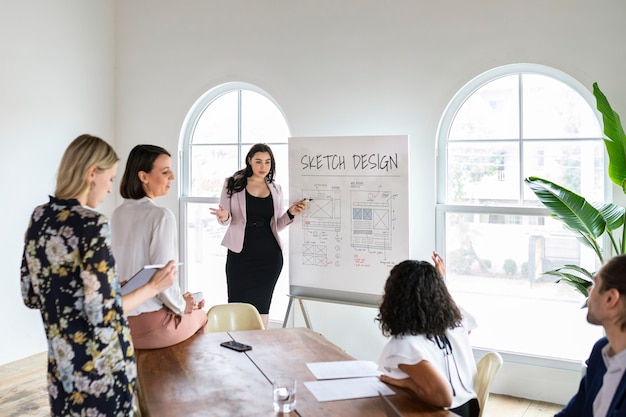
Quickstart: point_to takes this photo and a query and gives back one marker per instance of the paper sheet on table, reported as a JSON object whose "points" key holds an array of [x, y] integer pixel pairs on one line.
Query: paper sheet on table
{"points": [[346, 389], [343, 369]]}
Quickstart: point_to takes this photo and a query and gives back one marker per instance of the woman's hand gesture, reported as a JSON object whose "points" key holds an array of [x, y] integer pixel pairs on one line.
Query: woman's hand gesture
{"points": [[221, 213]]}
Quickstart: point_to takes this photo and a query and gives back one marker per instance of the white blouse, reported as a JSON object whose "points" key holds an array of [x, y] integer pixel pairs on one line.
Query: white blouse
{"points": [[458, 368], [143, 233]]}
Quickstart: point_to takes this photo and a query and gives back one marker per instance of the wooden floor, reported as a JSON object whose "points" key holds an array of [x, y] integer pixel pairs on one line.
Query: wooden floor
{"points": [[23, 394]]}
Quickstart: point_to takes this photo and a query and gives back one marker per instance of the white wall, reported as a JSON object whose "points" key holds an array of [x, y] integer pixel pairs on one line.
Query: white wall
{"points": [[349, 67], [56, 82]]}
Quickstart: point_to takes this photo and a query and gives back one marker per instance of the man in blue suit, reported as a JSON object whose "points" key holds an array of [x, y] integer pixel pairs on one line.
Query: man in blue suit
{"points": [[603, 388]]}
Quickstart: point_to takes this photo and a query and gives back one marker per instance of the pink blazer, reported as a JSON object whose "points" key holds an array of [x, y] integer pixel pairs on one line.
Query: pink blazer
{"points": [[236, 222]]}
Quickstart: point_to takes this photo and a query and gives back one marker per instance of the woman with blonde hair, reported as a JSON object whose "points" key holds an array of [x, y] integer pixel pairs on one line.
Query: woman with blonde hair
{"points": [[68, 274]]}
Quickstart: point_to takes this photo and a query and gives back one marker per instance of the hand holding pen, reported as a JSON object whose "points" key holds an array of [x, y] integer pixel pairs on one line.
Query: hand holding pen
{"points": [[299, 206]]}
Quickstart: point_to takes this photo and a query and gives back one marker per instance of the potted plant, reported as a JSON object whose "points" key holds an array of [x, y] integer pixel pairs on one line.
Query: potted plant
{"points": [[590, 221]]}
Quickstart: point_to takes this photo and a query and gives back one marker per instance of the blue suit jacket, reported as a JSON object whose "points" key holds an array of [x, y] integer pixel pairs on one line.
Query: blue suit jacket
{"points": [[236, 222], [582, 403]]}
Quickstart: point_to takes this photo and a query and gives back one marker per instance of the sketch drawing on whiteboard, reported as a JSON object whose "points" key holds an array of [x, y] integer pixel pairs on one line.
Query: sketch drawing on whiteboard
{"points": [[323, 211], [371, 220], [321, 222]]}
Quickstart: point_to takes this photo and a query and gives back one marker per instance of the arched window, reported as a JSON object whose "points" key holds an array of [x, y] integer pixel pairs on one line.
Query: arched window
{"points": [[219, 130], [505, 125]]}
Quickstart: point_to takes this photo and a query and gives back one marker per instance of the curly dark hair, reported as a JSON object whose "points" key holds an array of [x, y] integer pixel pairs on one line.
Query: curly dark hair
{"points": [[239, 180], [416, 301]]}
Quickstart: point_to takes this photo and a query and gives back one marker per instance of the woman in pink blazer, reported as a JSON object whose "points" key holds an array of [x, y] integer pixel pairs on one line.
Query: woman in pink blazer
{"points": [[251, 206]]}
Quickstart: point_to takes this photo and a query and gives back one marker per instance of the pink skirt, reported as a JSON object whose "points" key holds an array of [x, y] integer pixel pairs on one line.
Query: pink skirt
{"points": [[162, 328]]}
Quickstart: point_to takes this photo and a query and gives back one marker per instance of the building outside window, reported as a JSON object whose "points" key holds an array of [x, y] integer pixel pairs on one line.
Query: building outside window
{"points": [[219, 130], [496, 237]]}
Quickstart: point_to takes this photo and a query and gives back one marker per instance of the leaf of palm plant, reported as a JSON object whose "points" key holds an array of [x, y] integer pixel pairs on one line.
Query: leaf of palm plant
{"points": [[569, 207], [579, 269], [580, 284], [615, 141], [612, 213]]}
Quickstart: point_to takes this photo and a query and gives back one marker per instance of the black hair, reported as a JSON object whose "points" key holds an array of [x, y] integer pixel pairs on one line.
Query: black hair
{"points": [[141, 158], [239, 180], [416, 301]]}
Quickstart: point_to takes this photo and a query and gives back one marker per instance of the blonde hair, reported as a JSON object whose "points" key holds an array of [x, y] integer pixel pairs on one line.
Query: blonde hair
{"points": [[84, 152]]}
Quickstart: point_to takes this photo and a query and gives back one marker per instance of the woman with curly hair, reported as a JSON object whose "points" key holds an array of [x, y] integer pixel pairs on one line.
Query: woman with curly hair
{"points": [[429, 352]]}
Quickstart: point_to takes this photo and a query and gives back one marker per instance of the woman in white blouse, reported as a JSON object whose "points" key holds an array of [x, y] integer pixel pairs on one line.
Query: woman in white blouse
{"points": [[429, 352], [143, 233]]}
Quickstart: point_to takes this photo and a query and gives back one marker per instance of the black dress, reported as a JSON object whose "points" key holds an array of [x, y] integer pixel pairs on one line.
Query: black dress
{"points": [[252, 274]]}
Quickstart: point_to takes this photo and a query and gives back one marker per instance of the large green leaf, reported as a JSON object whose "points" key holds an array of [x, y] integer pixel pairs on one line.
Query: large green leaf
{"points": [[569, 207], [612, 213], [573, 275], [615, 141]]}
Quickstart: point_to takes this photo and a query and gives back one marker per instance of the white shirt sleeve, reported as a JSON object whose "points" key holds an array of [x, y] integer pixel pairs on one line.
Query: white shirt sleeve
{"points": [[163, 248]]}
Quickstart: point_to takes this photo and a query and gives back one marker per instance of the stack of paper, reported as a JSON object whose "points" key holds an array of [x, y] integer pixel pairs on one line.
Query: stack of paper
{"points": [[342, 380]]}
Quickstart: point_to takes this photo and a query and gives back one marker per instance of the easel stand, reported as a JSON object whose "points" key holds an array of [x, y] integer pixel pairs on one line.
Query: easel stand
{"points": [[305, 315]]}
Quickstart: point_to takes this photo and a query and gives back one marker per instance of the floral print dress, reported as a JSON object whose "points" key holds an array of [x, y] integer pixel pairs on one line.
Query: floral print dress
{"points": [[68, 274]]}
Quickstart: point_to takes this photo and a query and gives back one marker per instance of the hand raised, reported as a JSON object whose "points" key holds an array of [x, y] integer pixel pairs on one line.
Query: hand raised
{"points": [[439, 264]]}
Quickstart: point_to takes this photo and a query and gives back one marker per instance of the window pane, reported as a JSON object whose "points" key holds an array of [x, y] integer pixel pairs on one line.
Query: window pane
{"points": [[575, 165], [206, 258], [517, 308], [261, 120], [483, 173], [491, 112], [218, 122], [553, 109], [210, 165]]}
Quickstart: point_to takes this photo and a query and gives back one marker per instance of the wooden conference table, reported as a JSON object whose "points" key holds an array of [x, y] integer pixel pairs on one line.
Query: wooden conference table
{"points": [[198, 377]]}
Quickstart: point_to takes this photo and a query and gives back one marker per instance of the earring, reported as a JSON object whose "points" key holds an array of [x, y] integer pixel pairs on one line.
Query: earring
{"points": [[92, 184]]}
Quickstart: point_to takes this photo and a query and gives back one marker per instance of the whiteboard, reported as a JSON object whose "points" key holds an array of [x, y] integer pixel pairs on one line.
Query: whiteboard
{"points": [[356, 225]]}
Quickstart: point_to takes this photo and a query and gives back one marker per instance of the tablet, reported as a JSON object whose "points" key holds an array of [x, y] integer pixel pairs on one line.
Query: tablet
{"points": [[140, 279]]}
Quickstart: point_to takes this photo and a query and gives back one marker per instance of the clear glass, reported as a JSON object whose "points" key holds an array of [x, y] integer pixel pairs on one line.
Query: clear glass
{"points": [[483, 173], [517, 308], [210, 166], [219, 121], [491, 112], [552, 109], [261, 120], [576, 165]]}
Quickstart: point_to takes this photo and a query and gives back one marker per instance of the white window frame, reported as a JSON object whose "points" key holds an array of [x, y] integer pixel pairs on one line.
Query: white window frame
{"points": [[442, 208]]}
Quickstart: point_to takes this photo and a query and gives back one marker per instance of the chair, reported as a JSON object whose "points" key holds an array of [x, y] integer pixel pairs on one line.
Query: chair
{"points": [[233, 316], [487, 368]]}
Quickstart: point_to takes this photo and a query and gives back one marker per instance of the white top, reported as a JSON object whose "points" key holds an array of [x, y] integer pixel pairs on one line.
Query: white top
{"points": [[615, 366], [411, 350], [143, 233]]}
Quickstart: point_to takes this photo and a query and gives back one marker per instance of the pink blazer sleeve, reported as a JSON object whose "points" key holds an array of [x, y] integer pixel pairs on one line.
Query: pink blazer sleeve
{"points": [[236, 222]]}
